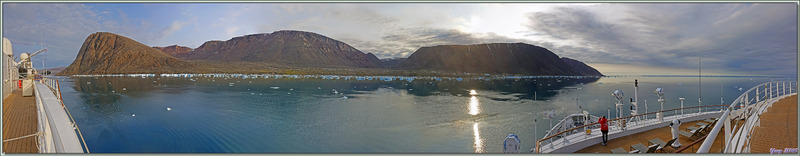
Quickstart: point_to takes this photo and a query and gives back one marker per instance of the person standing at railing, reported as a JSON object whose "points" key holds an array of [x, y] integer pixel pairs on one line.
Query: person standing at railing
{"points": [[604, 129]]}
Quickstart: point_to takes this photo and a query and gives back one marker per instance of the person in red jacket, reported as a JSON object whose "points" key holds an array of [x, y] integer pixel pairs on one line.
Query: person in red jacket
{"points": [[604, 128]]}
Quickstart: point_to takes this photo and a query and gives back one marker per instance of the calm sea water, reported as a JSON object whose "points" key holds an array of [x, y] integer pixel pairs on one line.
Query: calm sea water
{"points": [[130, 114]]}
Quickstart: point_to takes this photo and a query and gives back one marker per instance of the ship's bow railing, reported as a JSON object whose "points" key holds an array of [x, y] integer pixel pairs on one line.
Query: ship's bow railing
{"points": [[754, 101], [57, 131]]}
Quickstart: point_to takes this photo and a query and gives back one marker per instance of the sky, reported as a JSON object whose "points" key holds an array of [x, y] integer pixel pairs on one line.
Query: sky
{"points": [[615, 38]]}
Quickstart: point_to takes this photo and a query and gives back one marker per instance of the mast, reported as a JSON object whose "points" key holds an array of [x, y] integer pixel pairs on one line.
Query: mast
{"points": [[635, 102], [699, 80]]}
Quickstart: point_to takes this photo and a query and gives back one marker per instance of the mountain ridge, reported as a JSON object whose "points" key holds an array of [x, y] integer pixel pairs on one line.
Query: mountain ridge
{"points": [[295, 52], [286, 47], [108, 53], [494, 58]]}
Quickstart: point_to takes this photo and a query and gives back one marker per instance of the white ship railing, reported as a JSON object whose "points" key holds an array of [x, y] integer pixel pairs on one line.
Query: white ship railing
{"points": [[57, 131], [632, 124], [763, 96]]}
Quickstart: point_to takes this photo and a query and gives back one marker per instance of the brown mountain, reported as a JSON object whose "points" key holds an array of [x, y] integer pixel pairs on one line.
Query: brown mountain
{"points": [[495, 58], [108, 53], [292, 48], [176, 51], [581, 67]]}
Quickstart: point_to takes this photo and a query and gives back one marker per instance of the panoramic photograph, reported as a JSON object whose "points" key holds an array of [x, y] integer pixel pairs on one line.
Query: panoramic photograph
{"points": [[408, 78]]}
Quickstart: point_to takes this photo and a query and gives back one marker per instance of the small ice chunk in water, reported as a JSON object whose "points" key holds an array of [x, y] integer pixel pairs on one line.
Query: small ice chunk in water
{"points": [[169, 109], [319, 87], [291, 88], [133, 115], [274, 87], [345, 97]]}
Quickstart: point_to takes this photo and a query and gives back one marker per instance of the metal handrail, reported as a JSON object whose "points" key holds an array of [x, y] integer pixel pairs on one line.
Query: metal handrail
{"points": [[55, 86], [752, 120], [538, 142], [690, 145], [771, 90]]}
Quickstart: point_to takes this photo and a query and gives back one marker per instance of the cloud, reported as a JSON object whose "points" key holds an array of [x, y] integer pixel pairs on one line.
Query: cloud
{"points": [[403, 42], [172, 28], [231, 30], [730, 37], [758, 38], [62, 28]]}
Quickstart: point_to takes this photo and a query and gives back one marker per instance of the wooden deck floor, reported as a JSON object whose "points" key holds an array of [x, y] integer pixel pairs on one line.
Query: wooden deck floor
{"points": [[19, 119], [778, 127], [663, 133]]}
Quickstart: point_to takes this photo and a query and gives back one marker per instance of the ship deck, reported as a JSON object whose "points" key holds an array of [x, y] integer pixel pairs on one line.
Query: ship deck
{"points": [[19, 120], [663, 133], [778, 130], [778, 127]]}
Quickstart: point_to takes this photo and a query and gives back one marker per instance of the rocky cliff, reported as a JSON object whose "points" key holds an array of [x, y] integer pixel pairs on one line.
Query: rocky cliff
{"points": [[494, 58], [108, 53], [293, 48], [176, 51]]}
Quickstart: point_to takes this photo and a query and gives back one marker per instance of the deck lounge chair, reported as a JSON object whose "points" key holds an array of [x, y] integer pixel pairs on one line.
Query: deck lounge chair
{"points": [[662, 144], [691, 128], [707, 128], [638, 148], [690, 135], [652, 148], [618, 150]]}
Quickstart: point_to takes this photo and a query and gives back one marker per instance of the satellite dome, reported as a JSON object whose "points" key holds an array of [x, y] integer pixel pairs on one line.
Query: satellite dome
{"points": [[7, 47]]}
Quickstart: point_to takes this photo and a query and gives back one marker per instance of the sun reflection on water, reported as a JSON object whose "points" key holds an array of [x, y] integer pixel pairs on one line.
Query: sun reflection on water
{"points": [[473, 106], [478, 141]]}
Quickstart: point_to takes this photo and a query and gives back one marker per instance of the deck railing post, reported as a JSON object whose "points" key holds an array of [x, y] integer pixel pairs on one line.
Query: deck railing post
{"points": [[757, 92], [728, 129]]}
